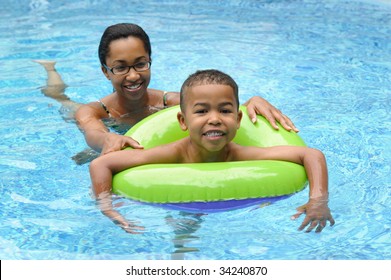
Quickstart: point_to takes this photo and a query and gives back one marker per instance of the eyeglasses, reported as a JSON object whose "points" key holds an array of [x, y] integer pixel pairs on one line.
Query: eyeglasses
{"points": [[122, 70]]}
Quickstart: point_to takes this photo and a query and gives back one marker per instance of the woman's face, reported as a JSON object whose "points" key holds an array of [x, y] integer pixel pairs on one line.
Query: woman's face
{"points": [[128, 52]]}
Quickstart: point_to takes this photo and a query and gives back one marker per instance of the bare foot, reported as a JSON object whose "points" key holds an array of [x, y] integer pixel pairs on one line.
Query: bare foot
{"points": [[55, 88], [54, 79], [47, 64]]}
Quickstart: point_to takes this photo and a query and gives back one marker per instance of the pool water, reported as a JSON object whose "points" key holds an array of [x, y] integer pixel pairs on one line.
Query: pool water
{"points": [[325, 64]]}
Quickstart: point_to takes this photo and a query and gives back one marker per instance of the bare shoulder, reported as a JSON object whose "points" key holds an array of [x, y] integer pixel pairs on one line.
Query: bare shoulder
{"points": [[166, 98], [172, 98], [86, 113], [92, 109]]}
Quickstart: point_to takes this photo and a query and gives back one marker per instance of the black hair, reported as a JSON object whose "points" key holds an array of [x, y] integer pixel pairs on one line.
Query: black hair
{"points": [[207, 77], [118, 31]]}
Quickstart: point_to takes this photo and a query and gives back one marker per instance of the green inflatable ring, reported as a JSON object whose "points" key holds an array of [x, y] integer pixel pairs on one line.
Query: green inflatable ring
{"points": [[210, 186]]}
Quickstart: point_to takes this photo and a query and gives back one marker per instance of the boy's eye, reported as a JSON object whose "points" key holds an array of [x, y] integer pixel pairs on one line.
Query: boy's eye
{"points": [[226, 111], [201, 111]]}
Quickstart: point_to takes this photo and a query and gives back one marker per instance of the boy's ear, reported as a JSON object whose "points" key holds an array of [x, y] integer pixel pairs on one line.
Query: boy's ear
{"points": [[181, 119], [240, 115], [104, 70]]}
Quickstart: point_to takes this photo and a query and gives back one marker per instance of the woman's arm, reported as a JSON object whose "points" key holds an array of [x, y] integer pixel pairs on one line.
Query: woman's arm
{"points": [[96, 134], [258, 106]]}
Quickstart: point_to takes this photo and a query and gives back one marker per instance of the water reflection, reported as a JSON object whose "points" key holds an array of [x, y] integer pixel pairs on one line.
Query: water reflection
{"points": [[185, 226]]}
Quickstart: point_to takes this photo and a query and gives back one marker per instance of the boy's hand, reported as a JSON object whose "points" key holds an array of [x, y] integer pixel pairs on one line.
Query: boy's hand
{"points": [[131, 228], [105, 204], [317, 215], [119, 220]]}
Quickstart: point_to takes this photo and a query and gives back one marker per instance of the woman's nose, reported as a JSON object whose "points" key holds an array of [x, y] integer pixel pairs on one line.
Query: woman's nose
{"points": [[132, 75]]}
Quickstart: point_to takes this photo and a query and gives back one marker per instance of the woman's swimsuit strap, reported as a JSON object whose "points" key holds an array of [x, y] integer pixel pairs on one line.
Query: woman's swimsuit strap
{"points": [[105, 108], [165, 98]]}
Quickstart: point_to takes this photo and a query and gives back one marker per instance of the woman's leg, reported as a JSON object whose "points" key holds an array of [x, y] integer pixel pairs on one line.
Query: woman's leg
{"points": [[54, 79], [55, 86]]}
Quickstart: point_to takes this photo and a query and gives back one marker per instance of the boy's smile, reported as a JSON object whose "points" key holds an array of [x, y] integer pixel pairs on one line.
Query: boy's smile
{"points": [[211, 116]]}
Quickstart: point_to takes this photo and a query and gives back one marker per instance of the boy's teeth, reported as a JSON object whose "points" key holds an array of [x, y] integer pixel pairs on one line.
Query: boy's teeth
{"points": [[213, 134]]}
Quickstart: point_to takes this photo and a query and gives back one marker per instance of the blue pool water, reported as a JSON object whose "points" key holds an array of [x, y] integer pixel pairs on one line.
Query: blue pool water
{"points": [[326, 64]]}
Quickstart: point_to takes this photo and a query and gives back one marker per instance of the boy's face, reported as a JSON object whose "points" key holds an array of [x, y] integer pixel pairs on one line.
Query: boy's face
{"points": [[211, 115]]}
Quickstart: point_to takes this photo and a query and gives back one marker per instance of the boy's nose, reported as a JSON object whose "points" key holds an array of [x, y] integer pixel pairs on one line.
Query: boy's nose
{"points": [[214, 118]]}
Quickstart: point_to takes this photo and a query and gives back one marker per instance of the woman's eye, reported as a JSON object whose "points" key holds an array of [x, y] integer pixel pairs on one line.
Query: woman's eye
{"points": [[140, 64], [120, 68]]}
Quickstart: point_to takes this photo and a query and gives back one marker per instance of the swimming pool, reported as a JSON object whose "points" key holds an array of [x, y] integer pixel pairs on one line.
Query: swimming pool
{"points": [[326, 64]]}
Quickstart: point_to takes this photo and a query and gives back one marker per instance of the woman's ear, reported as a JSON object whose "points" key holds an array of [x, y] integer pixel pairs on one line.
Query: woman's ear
{"points": [[240, 115], [181, 119], [104, 70]]}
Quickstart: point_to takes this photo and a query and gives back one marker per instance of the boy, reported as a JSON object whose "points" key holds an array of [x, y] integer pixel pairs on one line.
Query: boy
{"points": [[209, 105]]}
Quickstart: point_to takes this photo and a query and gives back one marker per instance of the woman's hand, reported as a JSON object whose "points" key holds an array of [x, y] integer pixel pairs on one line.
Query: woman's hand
{"points": [[317, 214], [115, 142], [258, 106]]}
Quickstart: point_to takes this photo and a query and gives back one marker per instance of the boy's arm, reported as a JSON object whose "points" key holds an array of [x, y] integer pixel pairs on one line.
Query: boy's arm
{"points": [[105, 204], [314, 162], [101, 173], [316, 209], [104, 167]]}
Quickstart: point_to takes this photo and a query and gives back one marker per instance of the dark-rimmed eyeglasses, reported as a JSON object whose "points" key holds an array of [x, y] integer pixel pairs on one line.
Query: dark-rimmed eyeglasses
{"points": [[122, 70]]}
